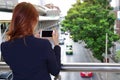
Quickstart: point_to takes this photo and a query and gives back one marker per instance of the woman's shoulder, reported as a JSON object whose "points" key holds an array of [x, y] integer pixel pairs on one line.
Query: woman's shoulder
{"points": [[41, 39], [4, 45]]}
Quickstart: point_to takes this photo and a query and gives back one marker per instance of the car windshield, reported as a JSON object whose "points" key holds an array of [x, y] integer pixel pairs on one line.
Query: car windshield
{"points": [[69, 48], [69, 45]]}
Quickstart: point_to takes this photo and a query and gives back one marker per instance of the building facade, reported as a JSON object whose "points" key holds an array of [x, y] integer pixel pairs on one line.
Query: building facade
{"points": [[116, 5]]}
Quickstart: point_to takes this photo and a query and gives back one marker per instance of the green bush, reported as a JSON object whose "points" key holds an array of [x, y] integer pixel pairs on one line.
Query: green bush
{"points": [[117, 56]]}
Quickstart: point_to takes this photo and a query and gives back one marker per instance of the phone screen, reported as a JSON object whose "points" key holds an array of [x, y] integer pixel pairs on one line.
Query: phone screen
{"points": [[47, 33]]}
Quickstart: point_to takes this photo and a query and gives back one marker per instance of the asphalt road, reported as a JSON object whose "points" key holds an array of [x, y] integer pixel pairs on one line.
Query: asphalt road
{"points": [[80, 54]]}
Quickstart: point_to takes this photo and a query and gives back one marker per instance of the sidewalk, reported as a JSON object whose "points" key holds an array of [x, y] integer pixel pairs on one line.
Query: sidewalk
{"points": [[113, 50], [105, 75]]}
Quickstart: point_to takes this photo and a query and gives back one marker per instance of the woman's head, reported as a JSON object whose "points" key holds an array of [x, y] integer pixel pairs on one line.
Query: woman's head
{"points": [[24, 20]]}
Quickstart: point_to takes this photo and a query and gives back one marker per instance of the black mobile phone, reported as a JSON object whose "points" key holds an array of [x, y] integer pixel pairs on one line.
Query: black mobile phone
{"points": [[46, 33]]}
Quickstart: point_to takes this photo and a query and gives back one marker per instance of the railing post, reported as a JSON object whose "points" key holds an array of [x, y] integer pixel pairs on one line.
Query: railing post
{"points": [[0, 41]]}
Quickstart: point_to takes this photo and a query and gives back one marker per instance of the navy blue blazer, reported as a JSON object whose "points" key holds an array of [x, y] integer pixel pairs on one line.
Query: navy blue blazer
{"points": [[31, 58]]}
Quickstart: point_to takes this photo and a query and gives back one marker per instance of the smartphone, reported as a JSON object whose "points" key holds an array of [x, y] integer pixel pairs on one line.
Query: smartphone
{"points": [[46, 33]]}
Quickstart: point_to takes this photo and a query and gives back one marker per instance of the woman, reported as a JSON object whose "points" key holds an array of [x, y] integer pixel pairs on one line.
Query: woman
{"points": [[29, 58]]}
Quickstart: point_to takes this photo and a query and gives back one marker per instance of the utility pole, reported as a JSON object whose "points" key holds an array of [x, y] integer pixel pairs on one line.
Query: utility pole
{"points": [[106, 53]]}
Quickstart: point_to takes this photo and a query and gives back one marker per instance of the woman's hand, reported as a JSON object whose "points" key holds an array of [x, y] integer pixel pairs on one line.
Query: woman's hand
{"points": [[55, 37]]}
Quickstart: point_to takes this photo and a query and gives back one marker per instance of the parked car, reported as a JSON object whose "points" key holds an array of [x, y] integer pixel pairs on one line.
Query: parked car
{"points": [[86, 74], [69, 50]]}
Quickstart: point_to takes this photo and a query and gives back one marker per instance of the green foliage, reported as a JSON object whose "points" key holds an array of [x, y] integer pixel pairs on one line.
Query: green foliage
{"points": [[117, 56], [90, 21]]}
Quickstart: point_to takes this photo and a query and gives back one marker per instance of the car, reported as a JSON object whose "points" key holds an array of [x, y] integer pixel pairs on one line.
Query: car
{"points": [[69, 45], [71, 36], [86, 74], [66, 33], [69, 50], [7, 75], [62, 32], [61, 41]]}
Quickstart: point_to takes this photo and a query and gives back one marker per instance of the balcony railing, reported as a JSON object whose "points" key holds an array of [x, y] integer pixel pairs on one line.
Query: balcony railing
{"points": [[95, 67], [76, 67]]}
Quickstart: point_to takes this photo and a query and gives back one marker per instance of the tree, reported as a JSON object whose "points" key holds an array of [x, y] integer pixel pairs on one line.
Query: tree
{"points": [[117, 56], [90, 21]]}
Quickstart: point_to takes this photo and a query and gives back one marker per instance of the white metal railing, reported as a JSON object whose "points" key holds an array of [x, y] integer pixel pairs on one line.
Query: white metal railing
{"points": [[5, 6], [94, 67], [76, 67]]}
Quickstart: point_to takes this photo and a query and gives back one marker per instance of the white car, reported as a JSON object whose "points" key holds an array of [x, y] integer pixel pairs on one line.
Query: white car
{"points": [[61, 41], [69, 50]]}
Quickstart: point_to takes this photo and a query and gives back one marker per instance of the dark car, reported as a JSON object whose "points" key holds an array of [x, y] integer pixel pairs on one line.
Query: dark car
{"points": [[6, 75]]}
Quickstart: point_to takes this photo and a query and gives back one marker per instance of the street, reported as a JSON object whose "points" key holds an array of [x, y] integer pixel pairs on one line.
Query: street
{"points": [[80, 54]]}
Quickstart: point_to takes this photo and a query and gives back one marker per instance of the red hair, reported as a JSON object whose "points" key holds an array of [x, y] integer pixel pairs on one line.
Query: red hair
{"points": [[24, 20]]}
